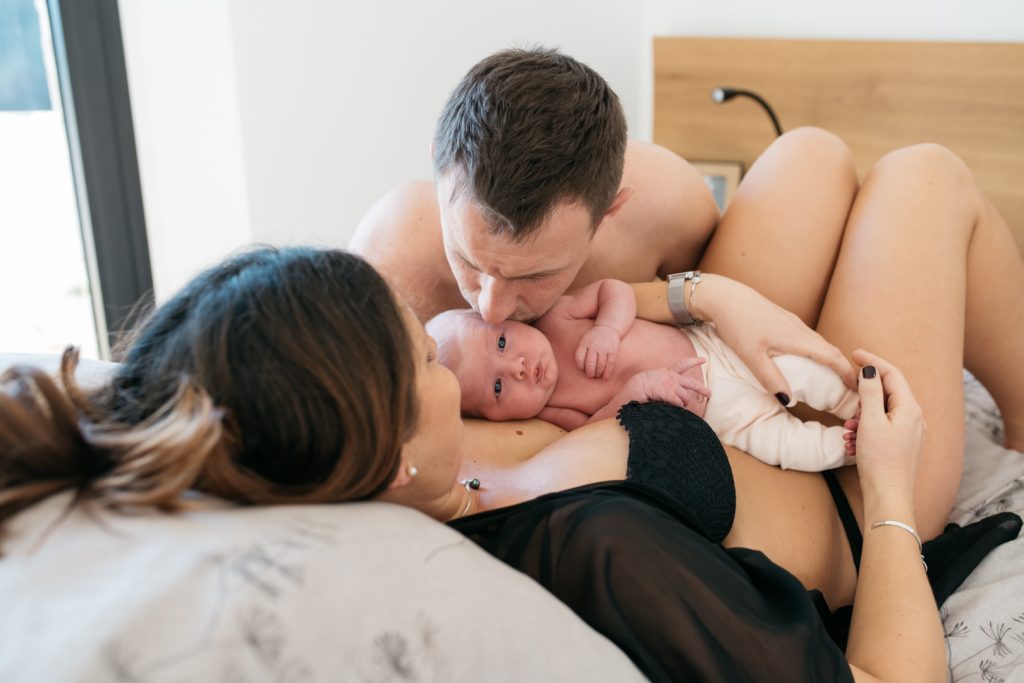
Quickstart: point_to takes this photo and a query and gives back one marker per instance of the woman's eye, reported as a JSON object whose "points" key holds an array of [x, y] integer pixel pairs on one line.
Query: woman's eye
{"points": [[501, 342], [497, 386]]}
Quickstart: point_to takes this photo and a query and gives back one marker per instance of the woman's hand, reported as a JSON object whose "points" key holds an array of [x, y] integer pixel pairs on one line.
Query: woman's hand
{"points": [[758, 329], [889, 430]]}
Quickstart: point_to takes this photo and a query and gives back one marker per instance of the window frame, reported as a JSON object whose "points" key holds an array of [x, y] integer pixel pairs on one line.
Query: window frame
{"points": [[93, 79]]}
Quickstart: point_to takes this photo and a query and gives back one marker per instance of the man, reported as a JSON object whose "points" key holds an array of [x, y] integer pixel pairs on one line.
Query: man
{"points": [[537, 192]]}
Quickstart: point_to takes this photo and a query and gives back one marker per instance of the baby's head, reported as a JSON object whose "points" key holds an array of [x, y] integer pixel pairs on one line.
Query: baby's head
{"points": [[506, 371]]}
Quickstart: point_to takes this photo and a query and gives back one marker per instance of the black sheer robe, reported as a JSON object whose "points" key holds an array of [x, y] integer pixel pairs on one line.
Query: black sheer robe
{"points": [[628, 560], [632, 563]]}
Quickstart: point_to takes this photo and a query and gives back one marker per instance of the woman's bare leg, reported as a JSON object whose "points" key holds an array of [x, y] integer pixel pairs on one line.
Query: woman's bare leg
{"points": [[781, 233], [923, 258]]}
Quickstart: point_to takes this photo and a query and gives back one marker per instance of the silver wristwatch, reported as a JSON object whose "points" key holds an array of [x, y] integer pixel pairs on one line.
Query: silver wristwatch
{"points": [[679, 306]]}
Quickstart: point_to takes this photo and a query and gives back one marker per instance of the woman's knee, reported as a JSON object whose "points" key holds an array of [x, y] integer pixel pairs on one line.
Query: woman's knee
{"points": [[927, 161], [825, 152]]}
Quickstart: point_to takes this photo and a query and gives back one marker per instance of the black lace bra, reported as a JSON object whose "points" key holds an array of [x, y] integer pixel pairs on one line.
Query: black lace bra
{"points": [[675, 451]]}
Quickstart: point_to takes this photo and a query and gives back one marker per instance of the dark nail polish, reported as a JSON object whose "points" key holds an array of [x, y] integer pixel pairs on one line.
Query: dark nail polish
{"points": [[868, 372], [783, 398]]}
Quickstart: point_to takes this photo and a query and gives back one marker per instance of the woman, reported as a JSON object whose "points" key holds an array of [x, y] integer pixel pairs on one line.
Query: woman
{"points": [[281, 352], [924, 257]]}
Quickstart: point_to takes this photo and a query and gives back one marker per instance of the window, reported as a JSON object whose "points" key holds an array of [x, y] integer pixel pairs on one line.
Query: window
{"points": [[73, 232]]}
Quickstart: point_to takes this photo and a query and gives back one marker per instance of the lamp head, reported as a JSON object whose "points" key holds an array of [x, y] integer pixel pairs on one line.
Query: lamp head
{"points": [[719, 95]]}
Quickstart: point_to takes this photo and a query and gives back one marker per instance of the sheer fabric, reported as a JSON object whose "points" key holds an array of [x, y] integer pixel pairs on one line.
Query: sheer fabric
{"points": [[631, 563]]}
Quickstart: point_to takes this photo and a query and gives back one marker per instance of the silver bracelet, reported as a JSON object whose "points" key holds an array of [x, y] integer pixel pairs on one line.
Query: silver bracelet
{"points": [[905, 527], [681, 309]]}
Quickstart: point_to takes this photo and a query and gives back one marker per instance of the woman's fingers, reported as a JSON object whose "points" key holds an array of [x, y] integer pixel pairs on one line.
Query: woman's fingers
{"points": [[822, 352], [771, 378], [897, 389], [872, 394]]}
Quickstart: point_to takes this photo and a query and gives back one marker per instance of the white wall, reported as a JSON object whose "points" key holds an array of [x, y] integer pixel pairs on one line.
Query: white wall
{"points": [[264, 121], [184, 94], [338, 100]]}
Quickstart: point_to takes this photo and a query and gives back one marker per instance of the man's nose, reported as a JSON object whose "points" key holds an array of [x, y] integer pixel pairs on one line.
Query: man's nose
{"points": [[496, 301]]}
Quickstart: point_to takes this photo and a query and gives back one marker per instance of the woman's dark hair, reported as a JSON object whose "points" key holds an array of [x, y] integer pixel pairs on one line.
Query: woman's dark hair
{"points": [[278, 376], [527, 129]]}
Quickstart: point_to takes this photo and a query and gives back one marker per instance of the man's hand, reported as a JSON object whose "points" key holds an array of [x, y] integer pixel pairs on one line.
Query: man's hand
{"points": [[596, 352], [758, 329]]}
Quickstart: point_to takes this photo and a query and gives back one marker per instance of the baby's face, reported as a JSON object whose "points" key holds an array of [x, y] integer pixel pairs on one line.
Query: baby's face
{"points": [[507, 371]]}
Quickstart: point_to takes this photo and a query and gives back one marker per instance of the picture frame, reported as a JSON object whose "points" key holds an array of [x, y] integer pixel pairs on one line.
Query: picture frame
{"points": [[722, 178]]}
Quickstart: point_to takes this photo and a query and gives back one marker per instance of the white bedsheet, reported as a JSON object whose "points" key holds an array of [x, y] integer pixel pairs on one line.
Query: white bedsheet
{"points": [[984, 619]]}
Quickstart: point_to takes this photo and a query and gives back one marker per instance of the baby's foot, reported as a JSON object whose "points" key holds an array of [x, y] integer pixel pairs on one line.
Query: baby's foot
{"points": [[850, 436]]}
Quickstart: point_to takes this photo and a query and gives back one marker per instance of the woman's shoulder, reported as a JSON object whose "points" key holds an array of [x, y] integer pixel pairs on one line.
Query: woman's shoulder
{"points": [[518, 461]]}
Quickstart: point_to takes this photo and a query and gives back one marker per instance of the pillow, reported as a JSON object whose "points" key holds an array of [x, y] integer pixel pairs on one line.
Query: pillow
{"points": [[358, 591], [90, 372]]}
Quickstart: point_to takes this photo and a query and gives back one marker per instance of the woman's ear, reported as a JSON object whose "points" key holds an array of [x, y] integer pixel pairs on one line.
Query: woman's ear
{"points": [[406, 473]]}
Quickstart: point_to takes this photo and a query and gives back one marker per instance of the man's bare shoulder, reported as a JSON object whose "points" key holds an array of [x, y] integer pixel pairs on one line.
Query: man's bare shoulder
{"points": [[401, 236], [671, 210], [408, 213]]}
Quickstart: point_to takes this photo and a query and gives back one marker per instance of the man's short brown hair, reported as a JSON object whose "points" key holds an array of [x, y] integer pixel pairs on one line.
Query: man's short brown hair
{"points": [[528, 129]]}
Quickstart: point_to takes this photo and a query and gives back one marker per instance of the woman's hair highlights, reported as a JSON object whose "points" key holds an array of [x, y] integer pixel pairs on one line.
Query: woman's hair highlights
{"points": [[278, 376]]}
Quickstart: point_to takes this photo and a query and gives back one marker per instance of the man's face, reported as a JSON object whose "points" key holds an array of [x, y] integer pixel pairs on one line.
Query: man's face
{"points": [[506, 371], [502, 279]]}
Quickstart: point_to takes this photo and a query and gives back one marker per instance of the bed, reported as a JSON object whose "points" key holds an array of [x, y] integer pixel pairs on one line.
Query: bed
{"points": [[378, 591], [984, 619]]}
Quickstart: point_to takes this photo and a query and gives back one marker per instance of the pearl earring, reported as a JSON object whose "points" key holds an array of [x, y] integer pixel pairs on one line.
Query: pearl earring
{"points": [[411, 471]]}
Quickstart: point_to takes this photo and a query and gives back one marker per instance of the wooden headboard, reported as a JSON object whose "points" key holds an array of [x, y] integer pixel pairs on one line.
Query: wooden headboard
{"points": [[875, 95]]}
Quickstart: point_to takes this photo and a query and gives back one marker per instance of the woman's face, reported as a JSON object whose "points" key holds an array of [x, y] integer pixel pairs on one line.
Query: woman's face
{"points": [[435, 447]]}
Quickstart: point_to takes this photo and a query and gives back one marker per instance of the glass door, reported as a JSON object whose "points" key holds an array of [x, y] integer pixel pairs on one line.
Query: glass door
{"points": [[47, 298]]}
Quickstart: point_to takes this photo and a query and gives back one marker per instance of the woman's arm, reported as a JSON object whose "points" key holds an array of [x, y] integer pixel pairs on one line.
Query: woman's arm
{"points": [[754, 327], [895, 634]]}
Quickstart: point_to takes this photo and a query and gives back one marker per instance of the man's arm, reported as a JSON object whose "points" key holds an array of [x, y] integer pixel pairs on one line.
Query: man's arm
{"points": [[401, 237]]}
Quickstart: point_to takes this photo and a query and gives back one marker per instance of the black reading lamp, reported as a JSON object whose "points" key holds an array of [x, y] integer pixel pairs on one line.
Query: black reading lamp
{"points": [[721, 95]]}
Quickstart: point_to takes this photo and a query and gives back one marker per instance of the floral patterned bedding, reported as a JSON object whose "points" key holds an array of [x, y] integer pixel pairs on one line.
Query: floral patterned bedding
{"points": [[984, 619]]}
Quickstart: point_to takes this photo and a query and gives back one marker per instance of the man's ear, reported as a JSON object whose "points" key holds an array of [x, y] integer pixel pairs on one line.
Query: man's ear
{"points": [[621, 197]]}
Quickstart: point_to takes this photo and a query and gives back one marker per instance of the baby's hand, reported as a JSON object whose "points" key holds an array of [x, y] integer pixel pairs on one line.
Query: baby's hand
{"points": [[670, 385], [595, 355]]}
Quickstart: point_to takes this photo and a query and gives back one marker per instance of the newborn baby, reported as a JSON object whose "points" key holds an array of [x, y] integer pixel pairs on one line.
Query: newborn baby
{"points": [[589, 355]]}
